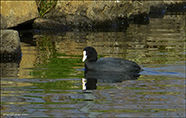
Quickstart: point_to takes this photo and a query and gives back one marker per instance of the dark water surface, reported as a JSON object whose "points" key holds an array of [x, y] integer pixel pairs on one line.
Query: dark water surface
{"points": [[49, 80]]}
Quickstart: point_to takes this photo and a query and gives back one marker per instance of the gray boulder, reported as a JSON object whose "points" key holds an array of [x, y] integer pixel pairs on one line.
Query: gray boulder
{"points": [[48, 24], [10, 42]]}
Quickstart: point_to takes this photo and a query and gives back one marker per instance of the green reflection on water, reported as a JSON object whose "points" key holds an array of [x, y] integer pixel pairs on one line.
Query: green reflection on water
{"points": [[53, 65], [57, 67]]}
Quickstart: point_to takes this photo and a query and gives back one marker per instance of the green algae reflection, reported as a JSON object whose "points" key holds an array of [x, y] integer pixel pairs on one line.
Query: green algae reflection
{"points": [[59, 67]]}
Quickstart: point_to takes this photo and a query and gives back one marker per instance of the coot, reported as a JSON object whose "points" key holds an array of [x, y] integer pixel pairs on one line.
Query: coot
{"points": [[107, 64]]}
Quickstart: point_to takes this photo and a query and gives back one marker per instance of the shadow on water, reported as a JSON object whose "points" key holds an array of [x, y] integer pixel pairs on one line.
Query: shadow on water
{"points": [[92, 77], [106, 77]]}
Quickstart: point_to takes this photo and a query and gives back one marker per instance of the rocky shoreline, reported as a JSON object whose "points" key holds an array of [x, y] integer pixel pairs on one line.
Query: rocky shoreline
{"points": [[67, 15]]}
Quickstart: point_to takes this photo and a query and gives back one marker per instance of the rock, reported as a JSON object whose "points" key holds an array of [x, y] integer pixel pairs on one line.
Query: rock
{"points": [[89, 13], [169, 2], [177, 7], [159, 6], [48, 24], [3, 23], [17, 12], [10, 42]]}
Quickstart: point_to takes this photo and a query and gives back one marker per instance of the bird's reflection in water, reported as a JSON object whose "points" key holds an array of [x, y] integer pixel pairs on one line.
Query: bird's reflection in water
{"points": [[106, 77]]}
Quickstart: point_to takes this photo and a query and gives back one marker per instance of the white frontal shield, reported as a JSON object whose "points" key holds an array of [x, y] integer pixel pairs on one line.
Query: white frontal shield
{"points": [[84, 56]]}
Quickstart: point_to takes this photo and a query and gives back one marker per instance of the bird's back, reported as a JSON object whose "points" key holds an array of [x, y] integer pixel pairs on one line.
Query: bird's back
{"points": [[113, 65]]}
